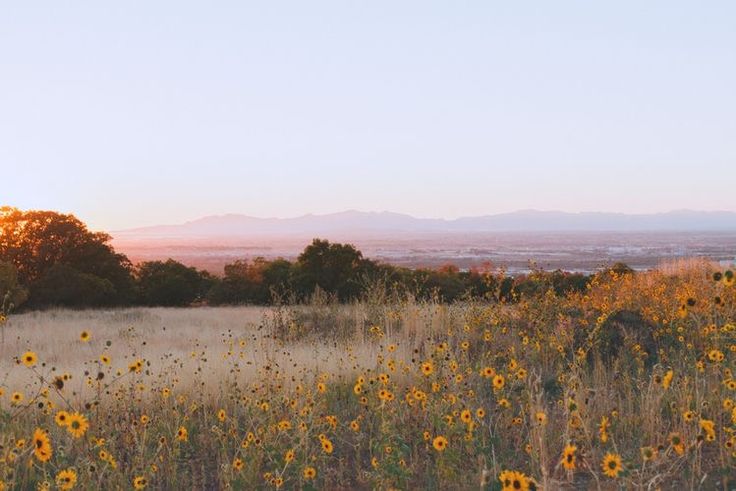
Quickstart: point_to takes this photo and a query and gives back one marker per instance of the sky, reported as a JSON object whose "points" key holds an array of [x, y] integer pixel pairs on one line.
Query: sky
{"points": [[139, 113]]}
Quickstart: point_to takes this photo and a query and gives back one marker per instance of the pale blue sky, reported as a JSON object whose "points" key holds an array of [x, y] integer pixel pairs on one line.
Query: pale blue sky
{"points": [[144, 112]]}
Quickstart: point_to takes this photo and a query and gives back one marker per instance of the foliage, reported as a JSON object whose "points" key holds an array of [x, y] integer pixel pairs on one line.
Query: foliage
{"points": [[38, 243], [12, 295], [169, 283]]}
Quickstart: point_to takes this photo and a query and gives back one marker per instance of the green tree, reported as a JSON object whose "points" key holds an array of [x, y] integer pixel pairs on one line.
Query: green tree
{"points": [[336, 268], [69, 287], [251, 282], [170, 283]]}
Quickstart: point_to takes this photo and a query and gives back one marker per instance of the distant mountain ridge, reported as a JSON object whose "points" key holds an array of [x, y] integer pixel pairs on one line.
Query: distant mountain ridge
{"points": [[388, 223]]}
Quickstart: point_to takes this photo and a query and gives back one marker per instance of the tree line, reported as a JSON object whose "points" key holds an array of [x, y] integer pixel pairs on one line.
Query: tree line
{"points": [[52, 259]]}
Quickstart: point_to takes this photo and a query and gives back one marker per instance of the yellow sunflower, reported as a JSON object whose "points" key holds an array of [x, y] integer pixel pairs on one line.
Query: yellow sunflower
{"points": [[66, 479], [78, 425], [62, 418], [29, 359], [612, 465], [140, 482], [498, 382], [568, 457], [41, 445], [326, 445], [440, 443]]}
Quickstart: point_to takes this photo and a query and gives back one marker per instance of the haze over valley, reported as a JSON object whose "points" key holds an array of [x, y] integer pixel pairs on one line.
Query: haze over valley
{"points": [[551, 240]]}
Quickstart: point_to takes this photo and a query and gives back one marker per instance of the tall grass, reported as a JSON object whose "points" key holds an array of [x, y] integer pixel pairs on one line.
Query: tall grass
{"points": [[548, 392]]}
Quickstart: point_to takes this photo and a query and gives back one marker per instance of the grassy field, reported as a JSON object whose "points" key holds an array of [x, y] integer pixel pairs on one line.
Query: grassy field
{"points": [[626, 386]]}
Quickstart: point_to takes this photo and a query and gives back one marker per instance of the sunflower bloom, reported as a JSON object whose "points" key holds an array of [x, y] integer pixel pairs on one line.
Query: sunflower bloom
{"points": [[66, 479], [29, 359], [78, 425], [568, 457], [440, 443], [612, 465], [309, 473], [42, 445]]}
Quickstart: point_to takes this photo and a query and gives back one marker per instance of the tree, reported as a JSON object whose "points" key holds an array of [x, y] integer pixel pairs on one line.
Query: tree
{"points": [[335, 268], [12, 295], [67, 286], [251, 282], [38, 243], [169, 283]]}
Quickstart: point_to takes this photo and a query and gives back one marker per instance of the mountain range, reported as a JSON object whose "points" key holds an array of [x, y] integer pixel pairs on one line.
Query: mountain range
{"points": [[389, 223]]}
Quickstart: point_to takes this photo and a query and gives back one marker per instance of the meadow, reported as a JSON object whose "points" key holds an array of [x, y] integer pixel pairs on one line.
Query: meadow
{"points": [[627, 385]]}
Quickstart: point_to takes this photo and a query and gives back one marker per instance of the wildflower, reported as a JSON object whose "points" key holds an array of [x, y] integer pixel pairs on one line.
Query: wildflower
{"points": [[603, 429], [568, 457], [541, 417], [221, 415], [667, 379], [677, 444], [16, 398], [238, 464], [77, 425], [427, 368], [498, 382], [62, 418], [309, 473], [688, 416], [466, 416], [29, 359], [708, 427], [439, 443], [140, 482], [66, 479], [289, 456], [514, 481], [182, 435], [84, 336], [716, 356], [612, 465], [648, 453], [41, 445], [326, 445], [136, 366], [105, 359], [729, 278]]}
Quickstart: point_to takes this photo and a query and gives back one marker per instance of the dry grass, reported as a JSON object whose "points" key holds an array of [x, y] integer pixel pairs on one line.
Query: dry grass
{"points": [[181, 333], [365, 395]]}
